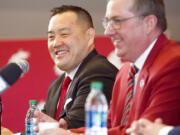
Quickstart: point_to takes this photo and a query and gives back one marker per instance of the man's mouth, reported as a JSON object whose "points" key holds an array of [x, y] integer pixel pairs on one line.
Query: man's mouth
{"points": [[115, 42], [61, 53]]}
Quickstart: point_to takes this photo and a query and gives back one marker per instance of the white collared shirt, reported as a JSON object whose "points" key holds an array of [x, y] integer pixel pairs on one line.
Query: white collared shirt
{"points": [[72, 73], [141, 60]]}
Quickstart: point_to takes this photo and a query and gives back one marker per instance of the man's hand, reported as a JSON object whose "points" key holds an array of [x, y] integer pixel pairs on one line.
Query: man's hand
{"points": [[145, 127], [5, 131], [41, 117], [63, 123]]}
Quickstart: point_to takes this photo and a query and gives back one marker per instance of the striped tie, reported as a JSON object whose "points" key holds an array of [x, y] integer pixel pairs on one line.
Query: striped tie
{"points": [[133, 70]]}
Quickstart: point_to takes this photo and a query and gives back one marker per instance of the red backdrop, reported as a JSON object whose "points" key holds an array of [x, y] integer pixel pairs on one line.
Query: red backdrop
{"points": [[33, 84]]}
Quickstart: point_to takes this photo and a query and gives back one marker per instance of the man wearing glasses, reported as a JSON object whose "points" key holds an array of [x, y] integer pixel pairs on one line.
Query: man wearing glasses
{"points": [[136, 28], [152, 87]]}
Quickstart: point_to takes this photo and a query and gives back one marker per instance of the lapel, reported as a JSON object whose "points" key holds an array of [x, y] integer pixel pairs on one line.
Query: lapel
{"points": [[55, 94], [71, 93], [142, 90]]}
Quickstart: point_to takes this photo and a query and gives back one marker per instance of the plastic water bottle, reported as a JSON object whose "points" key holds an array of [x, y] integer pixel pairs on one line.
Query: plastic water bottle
{"points": [[96, 108], [29, 118]]}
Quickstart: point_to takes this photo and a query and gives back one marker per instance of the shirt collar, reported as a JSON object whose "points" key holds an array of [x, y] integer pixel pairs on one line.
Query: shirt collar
{"points": [[72, 74], [142, 58]]}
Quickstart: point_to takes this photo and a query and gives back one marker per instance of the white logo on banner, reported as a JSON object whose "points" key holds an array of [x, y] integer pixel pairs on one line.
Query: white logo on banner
{"points": [[19, 55]]}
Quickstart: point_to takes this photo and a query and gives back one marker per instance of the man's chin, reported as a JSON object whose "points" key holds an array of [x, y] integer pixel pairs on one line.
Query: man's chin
{"points": [[119, 54]]}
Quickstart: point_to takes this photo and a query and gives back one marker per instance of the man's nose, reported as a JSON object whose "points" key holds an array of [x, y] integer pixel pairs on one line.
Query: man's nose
{"points": [[109, 31], [57, 42]]}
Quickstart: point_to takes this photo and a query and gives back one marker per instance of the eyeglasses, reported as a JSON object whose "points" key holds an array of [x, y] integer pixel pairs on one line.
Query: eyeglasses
{"points": [[116, 22]]}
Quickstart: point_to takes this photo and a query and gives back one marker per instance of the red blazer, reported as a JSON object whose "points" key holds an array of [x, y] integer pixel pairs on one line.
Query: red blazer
{"points": [[157, 93]]}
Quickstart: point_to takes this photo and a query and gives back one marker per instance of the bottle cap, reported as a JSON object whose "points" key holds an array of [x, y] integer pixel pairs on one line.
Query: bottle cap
{"points": [[97, 85], [33, 102]]}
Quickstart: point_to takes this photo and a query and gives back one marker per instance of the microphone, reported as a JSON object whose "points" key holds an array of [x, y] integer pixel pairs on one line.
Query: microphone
{"points": [[10, 73]]}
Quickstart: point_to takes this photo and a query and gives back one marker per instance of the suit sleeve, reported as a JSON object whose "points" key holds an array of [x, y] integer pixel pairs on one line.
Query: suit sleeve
{"points": [[175, 131]]}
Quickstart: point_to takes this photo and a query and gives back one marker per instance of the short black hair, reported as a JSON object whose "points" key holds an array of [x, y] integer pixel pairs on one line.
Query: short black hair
{"points": [[81, 13]]}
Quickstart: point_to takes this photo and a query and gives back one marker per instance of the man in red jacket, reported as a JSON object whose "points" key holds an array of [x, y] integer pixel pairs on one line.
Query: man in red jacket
{"points": [[136, 28]]}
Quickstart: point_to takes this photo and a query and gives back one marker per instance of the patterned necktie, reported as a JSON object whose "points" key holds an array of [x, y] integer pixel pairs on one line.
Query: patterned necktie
{"points": [[133, 70], [64, 88]]}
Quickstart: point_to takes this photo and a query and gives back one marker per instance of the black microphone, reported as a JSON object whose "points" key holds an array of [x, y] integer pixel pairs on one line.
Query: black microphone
{"points": [[10, 73]]}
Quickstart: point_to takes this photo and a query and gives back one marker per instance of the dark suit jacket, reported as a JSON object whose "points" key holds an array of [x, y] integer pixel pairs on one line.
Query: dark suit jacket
{"points": [[94, 67], [157, 93], [175, 131]]}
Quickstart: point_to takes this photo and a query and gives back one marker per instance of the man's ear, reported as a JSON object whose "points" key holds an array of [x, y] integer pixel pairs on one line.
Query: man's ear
{"points": [[91, 35], [150, 23]]}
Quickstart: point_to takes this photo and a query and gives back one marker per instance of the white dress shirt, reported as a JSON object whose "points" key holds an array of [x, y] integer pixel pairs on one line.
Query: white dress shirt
{"points": [[72, 73], [140, 61]]}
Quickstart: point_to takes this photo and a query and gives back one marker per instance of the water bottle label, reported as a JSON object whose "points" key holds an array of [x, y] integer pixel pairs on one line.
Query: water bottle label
{"points": [[103, 119], [96, 119], [30, 129]]}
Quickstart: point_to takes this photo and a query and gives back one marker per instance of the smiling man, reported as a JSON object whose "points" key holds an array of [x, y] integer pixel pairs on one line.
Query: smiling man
{"points": [[147, 86], [71, 45]]}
